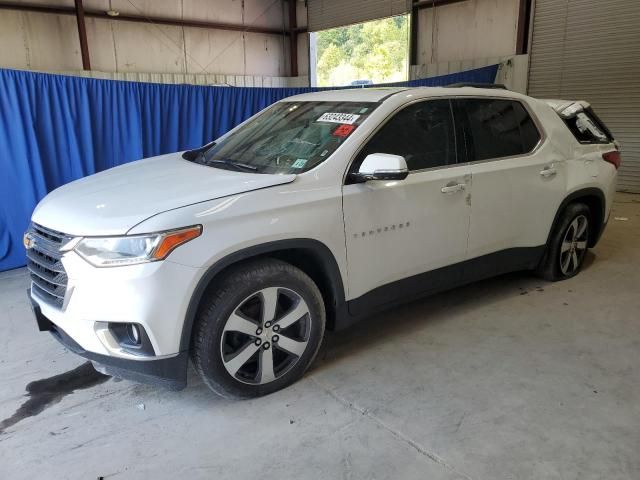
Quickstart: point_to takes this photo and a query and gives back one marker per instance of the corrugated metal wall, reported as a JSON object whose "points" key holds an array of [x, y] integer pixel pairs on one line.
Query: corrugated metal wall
{"points": [[590, 50], [325, 14]]}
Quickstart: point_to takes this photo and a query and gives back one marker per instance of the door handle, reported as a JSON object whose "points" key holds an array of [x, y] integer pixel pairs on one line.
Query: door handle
{"points": [[548, 172], [453, 187]]}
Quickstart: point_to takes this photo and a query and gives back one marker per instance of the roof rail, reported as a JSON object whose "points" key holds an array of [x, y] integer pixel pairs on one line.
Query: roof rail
{"points": [[498, 86]]}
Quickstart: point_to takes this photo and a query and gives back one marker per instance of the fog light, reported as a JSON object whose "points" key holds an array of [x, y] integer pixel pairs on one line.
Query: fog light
{"points": [[132, 338], [134, 333]]}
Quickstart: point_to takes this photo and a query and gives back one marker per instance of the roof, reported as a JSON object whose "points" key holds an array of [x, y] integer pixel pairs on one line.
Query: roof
{"points": [[348, 95], [380, 94]]}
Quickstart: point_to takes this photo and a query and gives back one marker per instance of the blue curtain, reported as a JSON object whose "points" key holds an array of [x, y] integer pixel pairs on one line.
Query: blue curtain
{"points": [[55, 129]]}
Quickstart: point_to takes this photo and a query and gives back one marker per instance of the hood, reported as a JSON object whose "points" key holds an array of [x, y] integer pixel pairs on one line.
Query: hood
{"points": [[113, 201]]}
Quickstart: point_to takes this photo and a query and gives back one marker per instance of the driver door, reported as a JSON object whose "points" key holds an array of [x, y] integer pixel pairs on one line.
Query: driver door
{"points": [[406, 238]]}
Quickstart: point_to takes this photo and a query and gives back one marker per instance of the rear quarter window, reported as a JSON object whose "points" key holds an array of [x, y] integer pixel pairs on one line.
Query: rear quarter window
{"points": [[495, 128]]}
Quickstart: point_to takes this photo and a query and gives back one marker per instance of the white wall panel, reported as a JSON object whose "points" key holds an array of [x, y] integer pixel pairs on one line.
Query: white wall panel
{"points": [[152, 8], [49, 42], [52, 3], [99, 5], [227, 11], [100, 32], [471, 29], [14, 52], [266, 55], [148, 48], [38, 40], [263, 13], [218, 50], [52, 40]]}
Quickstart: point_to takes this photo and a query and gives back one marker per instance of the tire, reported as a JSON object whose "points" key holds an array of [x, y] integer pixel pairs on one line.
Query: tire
{"points": [[237, 349], [568, 244]]}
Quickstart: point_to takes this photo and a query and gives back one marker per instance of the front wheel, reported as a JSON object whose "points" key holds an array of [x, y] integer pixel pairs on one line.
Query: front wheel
{"points": [[259, 330], [568, 244]]}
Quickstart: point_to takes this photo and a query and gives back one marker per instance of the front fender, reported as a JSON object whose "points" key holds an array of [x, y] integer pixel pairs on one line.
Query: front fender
{"points": [[314, 247]]}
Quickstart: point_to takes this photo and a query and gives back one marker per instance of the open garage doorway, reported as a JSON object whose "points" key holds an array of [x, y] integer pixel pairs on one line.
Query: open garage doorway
{"points": [[361, 54]]}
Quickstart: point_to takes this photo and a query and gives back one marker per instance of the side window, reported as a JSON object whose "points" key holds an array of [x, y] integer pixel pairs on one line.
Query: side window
{"points": [[422, 133], [491, 128]]}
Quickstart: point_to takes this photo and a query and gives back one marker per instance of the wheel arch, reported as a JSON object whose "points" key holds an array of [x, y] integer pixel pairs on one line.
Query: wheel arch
{"points": [[595, 199], [311, 256]]}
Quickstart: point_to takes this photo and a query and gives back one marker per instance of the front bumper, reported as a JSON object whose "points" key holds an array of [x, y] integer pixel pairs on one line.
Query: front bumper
{"points": [[169, 372], [153, 295], [97, 305]]}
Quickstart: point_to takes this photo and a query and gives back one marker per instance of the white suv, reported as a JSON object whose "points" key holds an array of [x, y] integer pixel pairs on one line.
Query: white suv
{"points": [[313, 213]]}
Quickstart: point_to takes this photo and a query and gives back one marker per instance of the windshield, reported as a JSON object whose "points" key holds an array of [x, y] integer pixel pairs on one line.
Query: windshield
{"points": [[289, 137]]}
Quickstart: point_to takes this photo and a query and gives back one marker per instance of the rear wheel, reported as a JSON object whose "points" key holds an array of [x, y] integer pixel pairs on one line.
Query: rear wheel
{"points": [[568, 244], [259, 330]]}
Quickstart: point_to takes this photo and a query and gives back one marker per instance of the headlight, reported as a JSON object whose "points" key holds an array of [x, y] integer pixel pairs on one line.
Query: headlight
{"points": [[133, 249]]}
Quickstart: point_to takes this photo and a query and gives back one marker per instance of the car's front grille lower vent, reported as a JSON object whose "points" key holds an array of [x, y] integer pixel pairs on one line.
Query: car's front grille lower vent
{"points": [[49, 279]]}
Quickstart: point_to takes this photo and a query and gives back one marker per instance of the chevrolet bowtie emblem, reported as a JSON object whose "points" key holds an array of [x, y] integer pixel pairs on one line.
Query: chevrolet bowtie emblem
{"points": [[28, 240]]}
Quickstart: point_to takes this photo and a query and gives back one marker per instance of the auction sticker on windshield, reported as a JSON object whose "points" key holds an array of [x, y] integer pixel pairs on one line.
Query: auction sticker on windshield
{"points": [[348, 118], [343, 130]]}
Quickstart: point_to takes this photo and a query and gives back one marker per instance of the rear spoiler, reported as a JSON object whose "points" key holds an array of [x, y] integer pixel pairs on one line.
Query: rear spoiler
{"points": [[570, 109]]}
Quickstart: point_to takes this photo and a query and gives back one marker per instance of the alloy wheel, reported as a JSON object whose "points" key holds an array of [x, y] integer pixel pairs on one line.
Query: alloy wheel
{"points": [[574, 245], [265, 335]]}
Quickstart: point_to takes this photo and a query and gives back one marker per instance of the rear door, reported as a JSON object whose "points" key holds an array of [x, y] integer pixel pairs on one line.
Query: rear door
{"points": [[518, 182]]}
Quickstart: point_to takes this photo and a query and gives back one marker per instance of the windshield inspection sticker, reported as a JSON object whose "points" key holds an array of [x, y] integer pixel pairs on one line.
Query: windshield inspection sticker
{"points": [[299, 163], [348, 118]]}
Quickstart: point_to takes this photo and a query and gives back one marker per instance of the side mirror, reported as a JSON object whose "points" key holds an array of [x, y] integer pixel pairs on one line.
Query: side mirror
{"points": [[381, 166]]}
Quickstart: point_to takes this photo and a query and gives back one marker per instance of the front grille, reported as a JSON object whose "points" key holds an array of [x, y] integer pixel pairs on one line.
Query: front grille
{"points": [[48, 277]]}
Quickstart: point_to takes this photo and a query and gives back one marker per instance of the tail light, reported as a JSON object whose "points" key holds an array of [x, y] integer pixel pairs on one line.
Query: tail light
{"points": [[613, 158]]}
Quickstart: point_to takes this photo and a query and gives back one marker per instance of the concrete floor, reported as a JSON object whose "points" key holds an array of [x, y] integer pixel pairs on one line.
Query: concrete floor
{"points": [[512, 378]]}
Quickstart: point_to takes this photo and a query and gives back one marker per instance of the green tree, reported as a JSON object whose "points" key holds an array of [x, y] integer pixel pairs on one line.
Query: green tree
{"points": [[376, 50], [331, 58]]}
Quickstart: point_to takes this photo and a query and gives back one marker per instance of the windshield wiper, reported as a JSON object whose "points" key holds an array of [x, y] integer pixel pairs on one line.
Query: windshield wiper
{"points": [[230, 163]]}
